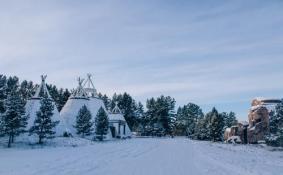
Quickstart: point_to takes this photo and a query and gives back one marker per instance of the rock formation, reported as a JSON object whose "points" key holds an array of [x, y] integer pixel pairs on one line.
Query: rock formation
{"points": [[259, 118], [239, 130], [258, 125]]}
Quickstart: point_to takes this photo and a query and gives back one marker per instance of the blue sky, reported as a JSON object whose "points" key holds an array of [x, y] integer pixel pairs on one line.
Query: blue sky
{"points": [[213, 53]]}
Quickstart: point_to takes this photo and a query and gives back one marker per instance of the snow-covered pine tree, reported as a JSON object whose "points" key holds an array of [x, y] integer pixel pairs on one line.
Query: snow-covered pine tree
{"points": [[115, 98], [203, 128], [141, 119], [3, 94], [54, 93], [216, 127], [275, 138], [12, 84], [60, 96], [164, 110], [150, 119], [225, 117], [101, 124], [106, 101], [193, 113], [140, 110], [172, 123], [187, 118], [60, 101], [66, 95], [279, 115], [202, 131], [44, 126], [1, 125], [83, 122], [229, 119], [14, 120], [181, 124], [273, 122], [26, 90]]}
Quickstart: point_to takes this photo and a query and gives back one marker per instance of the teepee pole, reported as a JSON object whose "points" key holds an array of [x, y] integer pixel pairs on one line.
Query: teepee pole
{"points": [[43, 87]]}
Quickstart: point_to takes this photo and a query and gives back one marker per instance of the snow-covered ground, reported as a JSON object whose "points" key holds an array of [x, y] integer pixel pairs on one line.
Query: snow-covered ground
{"points": [[140, 156]]}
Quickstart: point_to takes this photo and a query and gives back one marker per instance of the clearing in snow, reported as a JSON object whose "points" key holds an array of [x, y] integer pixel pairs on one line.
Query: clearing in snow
{"points": [[140, 156]]}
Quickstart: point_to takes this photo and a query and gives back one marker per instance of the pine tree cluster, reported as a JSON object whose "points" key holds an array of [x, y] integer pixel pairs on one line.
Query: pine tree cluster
{"points": [[157, 118], [192, 122], [12, 108], [13, 120]]}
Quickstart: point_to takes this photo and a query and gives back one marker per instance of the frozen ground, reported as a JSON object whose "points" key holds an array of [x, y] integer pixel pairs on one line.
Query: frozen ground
{"points": [[141, 156]]}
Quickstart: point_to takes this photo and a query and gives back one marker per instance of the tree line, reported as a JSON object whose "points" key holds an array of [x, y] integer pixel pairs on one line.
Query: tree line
{"points": [[157, 118]]}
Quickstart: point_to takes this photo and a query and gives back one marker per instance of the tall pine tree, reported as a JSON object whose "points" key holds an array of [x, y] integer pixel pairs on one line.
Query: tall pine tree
{"points": [[3, 93], [187, 118], [12, 85], [140, 114], [216, 125], [83, 122], [106, 101], [202, 131], [275, 138], [165, 107], [14, 120], [44, 126], [160, 115], [26, 90], [229, 119], [101, 124]]}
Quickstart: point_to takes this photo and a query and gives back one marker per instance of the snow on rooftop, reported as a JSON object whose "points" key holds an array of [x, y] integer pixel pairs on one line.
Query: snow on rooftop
{"points": [[228, 130], [244, 123], [268, 100]]}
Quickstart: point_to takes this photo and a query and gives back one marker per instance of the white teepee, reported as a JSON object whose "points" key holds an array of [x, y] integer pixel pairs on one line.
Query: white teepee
{"points": [[85, 94], [33, 106], [76, 101], [118, 124]]}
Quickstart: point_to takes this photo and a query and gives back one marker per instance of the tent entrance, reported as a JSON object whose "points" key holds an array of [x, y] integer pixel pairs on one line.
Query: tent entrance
{"points": [[113, 131]]}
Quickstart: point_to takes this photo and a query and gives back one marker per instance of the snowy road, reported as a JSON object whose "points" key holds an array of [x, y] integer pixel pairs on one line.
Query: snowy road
{"points": [[178, 156]]}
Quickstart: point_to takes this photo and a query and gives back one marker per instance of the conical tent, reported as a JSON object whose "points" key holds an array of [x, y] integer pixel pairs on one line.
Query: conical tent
{"points": [[118, 124], [84, 94], [33, 106], [76, 101]]}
